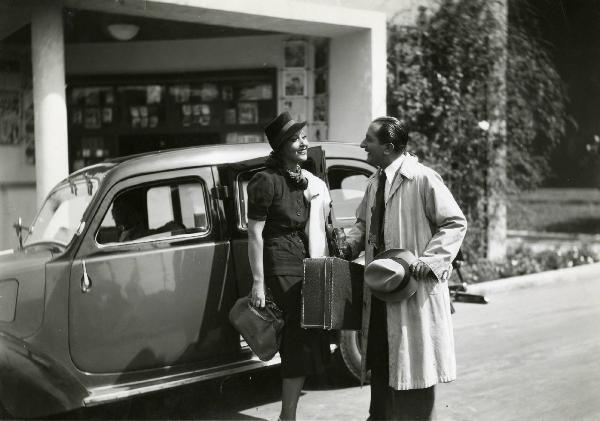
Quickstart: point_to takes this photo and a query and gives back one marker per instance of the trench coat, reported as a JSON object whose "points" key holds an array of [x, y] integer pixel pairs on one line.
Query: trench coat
{"points": [[422, 216]]}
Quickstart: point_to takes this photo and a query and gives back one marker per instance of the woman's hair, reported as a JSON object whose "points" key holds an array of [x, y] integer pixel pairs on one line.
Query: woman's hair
{"points": [[391, 130], [274, 160]]}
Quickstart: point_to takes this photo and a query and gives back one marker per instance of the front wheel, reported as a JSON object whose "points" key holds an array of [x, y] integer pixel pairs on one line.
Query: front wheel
{"points": [[347, 357]]}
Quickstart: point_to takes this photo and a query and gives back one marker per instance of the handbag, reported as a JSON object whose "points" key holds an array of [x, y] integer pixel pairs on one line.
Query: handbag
{"points": [[261, 328], [336, 240]]}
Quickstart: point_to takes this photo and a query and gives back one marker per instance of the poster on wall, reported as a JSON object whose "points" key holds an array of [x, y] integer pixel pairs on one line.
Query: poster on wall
{"points": [[294, 83], [297, 107], [318, 132], [10, 117], [295, 54], [28, 125], [321, 82], [320, 108], [321, 54], [240, 137], [248, 113]]}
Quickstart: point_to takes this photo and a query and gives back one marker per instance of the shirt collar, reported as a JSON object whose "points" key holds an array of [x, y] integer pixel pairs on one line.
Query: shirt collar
{"points": [[392, 169]]}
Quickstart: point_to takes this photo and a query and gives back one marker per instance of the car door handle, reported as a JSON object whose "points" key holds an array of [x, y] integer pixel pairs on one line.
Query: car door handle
{"points": [[86, 282]]}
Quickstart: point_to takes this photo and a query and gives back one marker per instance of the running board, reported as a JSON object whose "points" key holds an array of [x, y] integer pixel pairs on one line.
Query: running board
{"points": [[113, 393]]}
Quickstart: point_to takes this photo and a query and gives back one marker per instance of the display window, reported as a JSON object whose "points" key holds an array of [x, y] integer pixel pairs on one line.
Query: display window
{"points": [[112, 116]]}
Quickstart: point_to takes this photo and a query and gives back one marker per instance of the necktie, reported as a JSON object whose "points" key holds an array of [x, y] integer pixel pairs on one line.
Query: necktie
{"points": [[377, 215]]}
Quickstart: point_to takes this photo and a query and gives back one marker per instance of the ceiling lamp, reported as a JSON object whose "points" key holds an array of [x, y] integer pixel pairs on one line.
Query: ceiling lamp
{"points": [[123, 31]]}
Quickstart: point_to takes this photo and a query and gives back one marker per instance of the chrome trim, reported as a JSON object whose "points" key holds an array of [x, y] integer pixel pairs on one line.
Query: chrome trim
{"points": [[224, 283], [239, 200], [116, 392], [198, 235], [86, 282]]}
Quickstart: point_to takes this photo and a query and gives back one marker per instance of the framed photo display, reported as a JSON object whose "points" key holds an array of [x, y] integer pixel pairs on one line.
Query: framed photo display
{"points": [[318, 132], [10, 117], [294, 83], [320, 110], [297, 107], [321, 54], [295, 54], [248, 113], [321, 82]]}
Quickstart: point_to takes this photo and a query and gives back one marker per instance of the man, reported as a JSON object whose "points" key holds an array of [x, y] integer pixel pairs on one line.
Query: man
{"points": [[128, 218], [407, 345]]}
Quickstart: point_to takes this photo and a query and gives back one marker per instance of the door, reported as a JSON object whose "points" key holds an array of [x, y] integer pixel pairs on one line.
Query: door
{"points": [[149, 287], [347, 184], [238, 175]]}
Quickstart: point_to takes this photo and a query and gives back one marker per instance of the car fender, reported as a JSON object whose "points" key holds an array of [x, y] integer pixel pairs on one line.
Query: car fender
{"points": [[32, 384]]}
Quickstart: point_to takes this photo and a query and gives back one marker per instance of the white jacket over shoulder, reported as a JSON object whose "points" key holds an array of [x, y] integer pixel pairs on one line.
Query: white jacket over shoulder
{"points": [[422, 216], [317, 194]]}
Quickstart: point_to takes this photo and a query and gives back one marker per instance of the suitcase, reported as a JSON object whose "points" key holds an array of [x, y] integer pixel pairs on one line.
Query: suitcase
{"points": [[332, 294]]}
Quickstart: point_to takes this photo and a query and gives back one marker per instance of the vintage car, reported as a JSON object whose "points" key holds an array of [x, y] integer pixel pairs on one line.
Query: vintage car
{"points": [[125, 278]]}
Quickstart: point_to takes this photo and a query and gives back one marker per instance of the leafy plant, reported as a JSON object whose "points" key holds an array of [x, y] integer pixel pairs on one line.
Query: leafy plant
{"points": [[524, 261], [440, 75]]}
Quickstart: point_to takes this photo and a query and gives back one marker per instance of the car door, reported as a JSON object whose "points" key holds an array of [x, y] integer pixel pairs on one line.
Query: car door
{"points": [[149, 284], [347, 180], [238, 175]]}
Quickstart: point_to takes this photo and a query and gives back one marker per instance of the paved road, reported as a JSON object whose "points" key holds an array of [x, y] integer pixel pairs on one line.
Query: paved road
{"points": [[530, 354]]}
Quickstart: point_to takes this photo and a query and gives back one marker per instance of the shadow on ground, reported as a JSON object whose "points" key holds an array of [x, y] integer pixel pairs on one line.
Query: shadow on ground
{"points": [[223, 399]]}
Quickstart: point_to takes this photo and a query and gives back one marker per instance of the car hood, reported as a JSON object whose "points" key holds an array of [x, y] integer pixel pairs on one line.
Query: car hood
{"points": [[22, 286]]}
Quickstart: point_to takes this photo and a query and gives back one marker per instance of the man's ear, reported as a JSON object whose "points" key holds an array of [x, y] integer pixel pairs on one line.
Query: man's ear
{"points": [[389, 149]]}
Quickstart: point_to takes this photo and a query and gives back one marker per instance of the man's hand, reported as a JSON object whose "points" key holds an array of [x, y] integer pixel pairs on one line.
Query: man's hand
{"points": [[420, 271], [258, 295]]}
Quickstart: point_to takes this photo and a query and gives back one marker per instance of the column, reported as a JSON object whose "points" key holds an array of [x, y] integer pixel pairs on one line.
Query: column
{"points": [[496, 229], [50, 110], [357, 90]]}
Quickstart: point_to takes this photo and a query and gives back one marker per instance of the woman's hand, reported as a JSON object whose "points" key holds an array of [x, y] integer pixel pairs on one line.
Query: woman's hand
{"points": [[258, 295]]}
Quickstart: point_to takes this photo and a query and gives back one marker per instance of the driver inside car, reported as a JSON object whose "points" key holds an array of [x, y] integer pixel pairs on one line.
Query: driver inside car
{"points": [[128, 219]]}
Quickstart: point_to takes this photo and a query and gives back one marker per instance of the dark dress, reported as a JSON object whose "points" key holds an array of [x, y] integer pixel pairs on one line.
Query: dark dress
{"points": [[277, 201]]}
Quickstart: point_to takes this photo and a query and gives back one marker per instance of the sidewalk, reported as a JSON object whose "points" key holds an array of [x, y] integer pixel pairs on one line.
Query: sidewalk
{"points": [[574, 274]]}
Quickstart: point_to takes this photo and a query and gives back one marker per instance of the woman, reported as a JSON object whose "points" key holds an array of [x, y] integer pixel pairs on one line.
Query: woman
{"points": [[279, 206]]}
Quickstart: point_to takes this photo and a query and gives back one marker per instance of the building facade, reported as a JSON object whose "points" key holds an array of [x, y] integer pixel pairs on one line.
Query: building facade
{"points": [[83, 81]]}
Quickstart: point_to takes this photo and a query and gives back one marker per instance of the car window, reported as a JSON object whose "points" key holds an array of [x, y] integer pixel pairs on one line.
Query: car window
{"points": [[347, 186], [153, 212]]}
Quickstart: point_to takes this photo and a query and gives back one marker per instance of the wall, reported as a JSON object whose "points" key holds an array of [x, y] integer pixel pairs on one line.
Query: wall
{"points": [[357, 86], [402, 12], [17, 177], [175, 56]]}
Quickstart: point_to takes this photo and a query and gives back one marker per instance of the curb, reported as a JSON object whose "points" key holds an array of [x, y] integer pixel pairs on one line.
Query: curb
{"points": [[556, 236], [577, 273]]}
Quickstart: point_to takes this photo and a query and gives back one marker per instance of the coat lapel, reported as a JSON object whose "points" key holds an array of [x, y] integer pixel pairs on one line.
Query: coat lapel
{"points": [[407, 170]]}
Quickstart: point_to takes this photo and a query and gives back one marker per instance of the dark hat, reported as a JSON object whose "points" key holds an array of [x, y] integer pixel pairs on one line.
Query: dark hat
{"points": [[282, 127], [388, 275]]}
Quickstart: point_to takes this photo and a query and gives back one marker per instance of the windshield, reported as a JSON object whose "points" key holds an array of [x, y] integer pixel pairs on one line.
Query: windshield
{"points": [[62, 212]]}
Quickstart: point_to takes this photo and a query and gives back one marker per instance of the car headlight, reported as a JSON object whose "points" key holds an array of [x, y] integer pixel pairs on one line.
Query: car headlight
{"points": [[8, 299]]}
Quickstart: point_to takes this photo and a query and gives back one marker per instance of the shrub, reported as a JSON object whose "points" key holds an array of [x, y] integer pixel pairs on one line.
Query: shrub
{"points": [[440, 75], [523, 261]]}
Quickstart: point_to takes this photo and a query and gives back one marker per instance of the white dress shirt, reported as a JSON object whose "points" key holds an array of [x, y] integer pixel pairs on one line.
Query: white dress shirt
{"points": [[390, 173]]}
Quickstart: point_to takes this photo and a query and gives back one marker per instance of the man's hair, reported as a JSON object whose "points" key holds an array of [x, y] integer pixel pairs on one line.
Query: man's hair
{"points": [[391, 130]]}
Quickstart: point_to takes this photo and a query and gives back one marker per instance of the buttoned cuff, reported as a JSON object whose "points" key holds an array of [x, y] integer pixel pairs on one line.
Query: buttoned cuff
{"points": [[439, 269]]}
